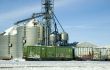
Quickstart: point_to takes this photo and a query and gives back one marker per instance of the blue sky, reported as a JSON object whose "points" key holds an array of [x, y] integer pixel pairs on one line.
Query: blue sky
{"points": [[84, 20]]}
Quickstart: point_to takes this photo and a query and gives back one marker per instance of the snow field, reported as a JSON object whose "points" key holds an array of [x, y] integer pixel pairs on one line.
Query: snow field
{"points": [[55, 65]]}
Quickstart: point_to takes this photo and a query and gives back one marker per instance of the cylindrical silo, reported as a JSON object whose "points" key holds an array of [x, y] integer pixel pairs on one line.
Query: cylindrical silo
{"points": [[13, 47], [31, 36], [12, 40], [26, 36], [4, 48], [64, 38], [52, 39], [34, 33], [20, 38]]}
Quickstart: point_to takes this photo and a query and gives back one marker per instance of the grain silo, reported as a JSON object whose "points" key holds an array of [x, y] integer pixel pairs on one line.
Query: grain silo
{"points": [[29, 34], [13, 48], [64, 38], [8, 43], [4, 48]]}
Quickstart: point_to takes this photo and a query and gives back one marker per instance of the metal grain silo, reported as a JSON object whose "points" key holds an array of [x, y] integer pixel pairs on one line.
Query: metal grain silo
{"points": [[40, 34], [52, 39], [34, 33], [64, 38], [31, 35], [19, 45], [12, 40], [4, 48], [13, 46]]}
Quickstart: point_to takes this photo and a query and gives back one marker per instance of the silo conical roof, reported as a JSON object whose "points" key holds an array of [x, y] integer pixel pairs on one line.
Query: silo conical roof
{"points": [[12, 31], [31, 23]]}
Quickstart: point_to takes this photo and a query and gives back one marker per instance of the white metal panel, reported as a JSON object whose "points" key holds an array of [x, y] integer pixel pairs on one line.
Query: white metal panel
{"points": [[31, 35], [4, 49], [20, 35], [13, 42]]}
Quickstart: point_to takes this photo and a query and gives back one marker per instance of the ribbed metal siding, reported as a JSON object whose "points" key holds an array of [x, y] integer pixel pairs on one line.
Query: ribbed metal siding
{"points": [[40, 34], [20, 35], [13, 41], [4, 49], [31, 36]]}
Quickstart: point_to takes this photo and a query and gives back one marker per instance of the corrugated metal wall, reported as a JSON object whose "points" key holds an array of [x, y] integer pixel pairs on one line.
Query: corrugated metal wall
{"points": [[4, 49]]}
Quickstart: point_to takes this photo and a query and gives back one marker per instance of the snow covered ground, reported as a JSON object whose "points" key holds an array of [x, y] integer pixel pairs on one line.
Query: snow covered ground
{"points": [[55, 65]]}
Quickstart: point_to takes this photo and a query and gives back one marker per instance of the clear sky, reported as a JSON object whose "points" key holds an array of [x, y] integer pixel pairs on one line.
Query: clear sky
{"points": [[84, 20]]}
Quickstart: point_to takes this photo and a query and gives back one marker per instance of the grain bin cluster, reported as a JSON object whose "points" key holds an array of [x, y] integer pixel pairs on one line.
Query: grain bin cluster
{"points": [[14, 38], [28, 34]]}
